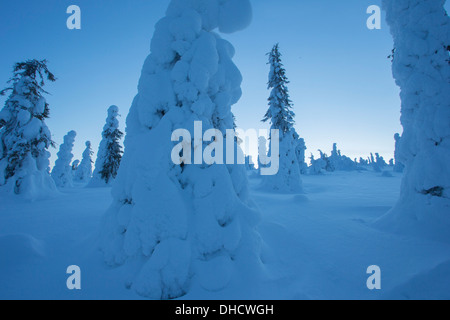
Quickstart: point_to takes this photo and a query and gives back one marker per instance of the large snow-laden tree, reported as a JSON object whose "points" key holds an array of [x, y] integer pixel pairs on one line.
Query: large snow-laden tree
{"points": [[183, 225], [281, 117], [62, 171], [421, 68], [83, 171], [24, 136], [109, 152]]}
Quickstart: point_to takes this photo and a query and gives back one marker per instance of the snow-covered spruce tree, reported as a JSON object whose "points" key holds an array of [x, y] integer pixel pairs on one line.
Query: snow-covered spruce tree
{"points": [[281, 117], [421, 32], [317, 166], [24, 136], [109, 152], [328, 166], [84, 170], [333, 160], [180, 225], [380, 161], [301, 157], [62, 171], [373, 163], [398, 165]]}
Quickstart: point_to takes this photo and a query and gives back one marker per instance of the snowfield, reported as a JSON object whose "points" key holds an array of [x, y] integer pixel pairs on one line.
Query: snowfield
{"points": [[317, 245]]}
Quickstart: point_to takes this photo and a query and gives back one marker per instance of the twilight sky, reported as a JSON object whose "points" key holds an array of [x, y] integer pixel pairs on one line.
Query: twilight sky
{"points": [[340, 76]]}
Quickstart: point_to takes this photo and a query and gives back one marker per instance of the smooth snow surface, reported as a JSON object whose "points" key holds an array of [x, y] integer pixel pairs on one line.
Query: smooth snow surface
{"points": [[316, 246]]}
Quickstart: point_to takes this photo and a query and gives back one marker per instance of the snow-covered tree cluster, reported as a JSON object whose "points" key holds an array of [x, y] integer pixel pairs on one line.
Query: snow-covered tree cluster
{"points": [[339, 162], [421, 32], [110, 151], [24, 136], [62, 172], [183, 224], [108, 160], [318, 166], [377, 162], [281, 117], [335, 162]]}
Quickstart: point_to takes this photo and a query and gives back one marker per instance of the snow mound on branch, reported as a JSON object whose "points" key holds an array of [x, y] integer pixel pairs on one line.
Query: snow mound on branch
{"points": [[235, 15], [227, 15]]}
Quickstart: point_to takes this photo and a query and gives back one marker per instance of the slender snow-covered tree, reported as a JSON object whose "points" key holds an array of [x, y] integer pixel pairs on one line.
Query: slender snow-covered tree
{"points": [[281, 117], [110, 151], [300, 151], [398, 165], [24, 136], [280, 112], [62, 171], [84, 170], [380, 161], [421, 32], [181, 224]]}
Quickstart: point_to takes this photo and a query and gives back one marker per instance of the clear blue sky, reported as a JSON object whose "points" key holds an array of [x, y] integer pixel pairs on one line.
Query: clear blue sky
{"points": [[341, 82]]}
